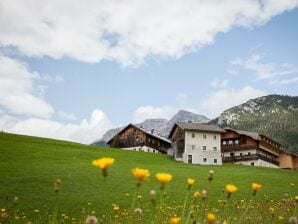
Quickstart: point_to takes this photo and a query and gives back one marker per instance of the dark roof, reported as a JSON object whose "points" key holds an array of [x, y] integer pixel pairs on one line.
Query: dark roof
{"points": [[197, 127], [253, 135], [145, 131]]}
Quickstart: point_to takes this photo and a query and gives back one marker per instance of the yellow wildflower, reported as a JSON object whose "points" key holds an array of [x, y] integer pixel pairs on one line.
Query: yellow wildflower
{"points": [[163, 178], [197, 194], [231, 188], [140, 174], [211, 217], [103, 163], [271, 210], [190, 182], [280, 218], [256, 187], [175, 220], [296, 198]]}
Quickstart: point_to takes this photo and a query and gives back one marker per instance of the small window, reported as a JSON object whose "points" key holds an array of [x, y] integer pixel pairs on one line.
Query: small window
{"points": [[230, 142], [137, 138], [205, 160], [204, 148], [193, 147], [241, 154], [193, 135], [214, 137], [214, 149], [224, 142], [248, 153], [215, 160], [204, 136], [149, 140], [237, 141], [252, 163]]}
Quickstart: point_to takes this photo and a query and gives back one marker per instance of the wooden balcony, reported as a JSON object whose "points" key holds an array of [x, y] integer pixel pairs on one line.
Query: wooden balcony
{"points": [[250, 157], [235, 147]]}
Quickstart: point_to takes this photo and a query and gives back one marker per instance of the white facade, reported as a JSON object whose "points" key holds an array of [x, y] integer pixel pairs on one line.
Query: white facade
{"points": [[202, 147], [257, 162], [142, 149]]}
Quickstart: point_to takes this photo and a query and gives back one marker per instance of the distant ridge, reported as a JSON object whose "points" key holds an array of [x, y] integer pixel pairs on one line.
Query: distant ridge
{"points": [[161, 126], [274, 115]]}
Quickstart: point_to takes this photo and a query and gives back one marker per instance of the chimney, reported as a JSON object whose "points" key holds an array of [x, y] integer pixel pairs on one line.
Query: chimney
{"points": [[152, 130]]}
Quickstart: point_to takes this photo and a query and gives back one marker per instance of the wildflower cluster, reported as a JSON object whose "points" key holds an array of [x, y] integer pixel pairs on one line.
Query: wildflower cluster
{"points": [[198, 205]]}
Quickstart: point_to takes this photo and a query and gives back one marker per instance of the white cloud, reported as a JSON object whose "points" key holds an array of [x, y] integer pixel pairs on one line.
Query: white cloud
{"points": [[219, 84], [19, 93], [125, 31], [284, 81], [87, 131], [144, 112], [265, 70], [218, 101], [232, 72], [66, 116]]}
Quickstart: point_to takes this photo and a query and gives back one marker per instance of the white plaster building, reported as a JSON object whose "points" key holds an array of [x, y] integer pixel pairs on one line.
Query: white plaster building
{"points": [[196, 143]]}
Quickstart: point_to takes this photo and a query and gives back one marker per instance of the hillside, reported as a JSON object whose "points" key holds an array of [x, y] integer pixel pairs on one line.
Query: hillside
{"points": [[274, 115], [160, 126], [29, 166]]}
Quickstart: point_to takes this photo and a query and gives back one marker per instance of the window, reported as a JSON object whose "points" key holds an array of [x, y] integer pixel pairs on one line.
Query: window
{"points": [[252, 163], [214, 137], [193, 147], [204, 136], [224, 142], [137, 138], [214, 149], [193, 135], [215, 160], [232, 154], [205, 160], [149, 140], [204, 148], [241, 154], [230, 142], [236, 141], [248, 153]]}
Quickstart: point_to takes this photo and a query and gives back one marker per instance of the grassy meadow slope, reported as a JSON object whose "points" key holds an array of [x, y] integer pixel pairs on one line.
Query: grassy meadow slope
{"points": [[29, 165]]}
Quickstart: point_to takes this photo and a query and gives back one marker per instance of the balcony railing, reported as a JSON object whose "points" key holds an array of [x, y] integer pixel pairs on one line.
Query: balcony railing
{"points": [[250, 157], [234, 147]]}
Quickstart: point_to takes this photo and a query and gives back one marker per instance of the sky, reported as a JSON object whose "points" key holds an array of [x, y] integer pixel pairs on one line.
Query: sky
{"points": [[72, 70]]}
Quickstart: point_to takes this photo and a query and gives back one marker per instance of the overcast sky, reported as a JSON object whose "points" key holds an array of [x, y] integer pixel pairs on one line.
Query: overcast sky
{"points": [[74, 69]]}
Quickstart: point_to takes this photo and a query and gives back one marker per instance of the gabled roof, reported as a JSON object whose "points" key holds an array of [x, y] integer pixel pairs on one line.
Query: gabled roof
{"points": [[143, 130], [197, 127], [253, 135]]}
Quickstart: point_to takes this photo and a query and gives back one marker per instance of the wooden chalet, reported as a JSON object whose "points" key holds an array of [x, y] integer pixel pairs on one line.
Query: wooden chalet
{"points": [[136, 138], [251, 148]]}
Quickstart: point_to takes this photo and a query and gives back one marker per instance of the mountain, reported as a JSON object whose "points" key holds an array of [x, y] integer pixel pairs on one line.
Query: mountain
{"points": [[274, 115], [160, 126]]}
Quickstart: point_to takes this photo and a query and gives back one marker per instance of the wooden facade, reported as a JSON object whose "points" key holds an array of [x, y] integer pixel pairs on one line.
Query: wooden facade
{"points": [[235, 144], [132, 136], [178, 141]]}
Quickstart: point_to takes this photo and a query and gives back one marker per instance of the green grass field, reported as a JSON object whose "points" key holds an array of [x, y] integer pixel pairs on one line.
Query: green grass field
{"points": [[29, 166]]}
